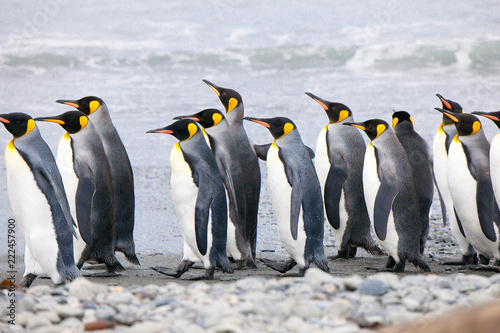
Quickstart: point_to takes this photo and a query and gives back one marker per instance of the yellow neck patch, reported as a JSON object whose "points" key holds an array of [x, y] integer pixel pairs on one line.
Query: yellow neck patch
{"points": [[456, 138], [66, 136], [192, 128], [83, 121], [232, 104], [380, 129], [216, 117], [343, 114], [30, 127], [411, 119], [287, 128], [11, 145], [394, 122], [94, 105], [476, 126]]}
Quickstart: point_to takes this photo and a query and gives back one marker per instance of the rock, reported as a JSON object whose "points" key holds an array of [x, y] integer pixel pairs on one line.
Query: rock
{"points": [[373, 287], [51, 315], [352, 282], [316, 276], [147, 326], [65, 311], [37, 321], [39, 290], [83, 289]]}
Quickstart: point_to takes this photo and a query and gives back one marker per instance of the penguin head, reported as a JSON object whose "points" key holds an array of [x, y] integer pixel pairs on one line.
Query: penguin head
{"points": [[87, 105], [183, 129], [206, 118], [466, 124], [17, 123], [451, 106], [228, 97], [495, 116], [373, 127], [336, 112], [278, 126], [399, 117], [71, 121]]}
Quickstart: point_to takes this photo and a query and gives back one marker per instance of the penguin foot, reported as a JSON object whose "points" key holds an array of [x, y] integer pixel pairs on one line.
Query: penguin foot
{"points": [[372, 248], [27, 280], [281, 267], [246, 263], [301, 273], [466, 261], [345, 253]]}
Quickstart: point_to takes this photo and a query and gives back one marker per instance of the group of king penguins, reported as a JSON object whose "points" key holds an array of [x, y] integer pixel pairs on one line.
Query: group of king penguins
{"points": [[79, 207]]}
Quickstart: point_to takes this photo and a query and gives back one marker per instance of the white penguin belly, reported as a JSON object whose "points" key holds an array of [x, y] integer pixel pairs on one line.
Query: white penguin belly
{"points": [[463, 189], [231, 246], [371, 184], [70, 181], [184, 194], [322, 165], [495, 167], [33, 216], [441, 175], [280, 193]]}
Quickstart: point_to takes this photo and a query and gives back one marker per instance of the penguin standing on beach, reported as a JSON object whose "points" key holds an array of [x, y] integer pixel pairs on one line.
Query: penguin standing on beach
{"points": [[419, 156], [200, 200], [224, 148], [233, 104], [440, 147], [340, 151], [295, 195], [87, 180], [121, 172], [470, 186], [494, 153], [391, 197], [39, 203]]}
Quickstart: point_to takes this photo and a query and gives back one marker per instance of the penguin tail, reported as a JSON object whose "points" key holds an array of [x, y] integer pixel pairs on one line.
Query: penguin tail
{"points": [[132, 258], [419, 262], [369, 245], [129, 251]]}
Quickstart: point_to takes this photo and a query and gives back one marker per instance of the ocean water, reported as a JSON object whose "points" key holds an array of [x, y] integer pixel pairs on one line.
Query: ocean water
{"points": [[146, 60]]}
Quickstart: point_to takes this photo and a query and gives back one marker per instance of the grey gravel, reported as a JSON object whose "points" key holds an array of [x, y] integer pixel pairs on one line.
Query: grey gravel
{"points": [[318, 302]]}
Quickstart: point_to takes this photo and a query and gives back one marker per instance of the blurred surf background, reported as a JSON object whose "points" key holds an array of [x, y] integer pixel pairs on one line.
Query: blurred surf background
{"points": [[146, 60]]}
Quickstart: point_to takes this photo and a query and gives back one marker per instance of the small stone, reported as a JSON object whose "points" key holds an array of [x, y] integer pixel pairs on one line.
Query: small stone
{"points": [[65, 311], [105, 312], [345, 328], [50, 315], [411, 304], [147, 326], [83, 289], [98, 325], [71, 322], [317, 276], [37, 321], [373, 287], [39, 290], [351, 283]]}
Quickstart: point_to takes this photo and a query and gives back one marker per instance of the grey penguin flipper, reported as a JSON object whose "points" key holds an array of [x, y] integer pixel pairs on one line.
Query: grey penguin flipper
{"points": [[485, 199], [311, 152], [261, 150], [333, 191], [383, 205], [296, 198], [441, 201], [83, 201], [202, 209], [45, 180]]}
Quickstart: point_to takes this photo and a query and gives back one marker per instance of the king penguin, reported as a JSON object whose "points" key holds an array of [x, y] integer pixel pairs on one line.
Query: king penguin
{"points": [[340, 152], [39, 203], [470, 186], [295, 195], [494, 153], [200, 200], [419, 156], [87, 180], [390, 196], [233, 104], [224, 148], [440, 147], [121, 172]]}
